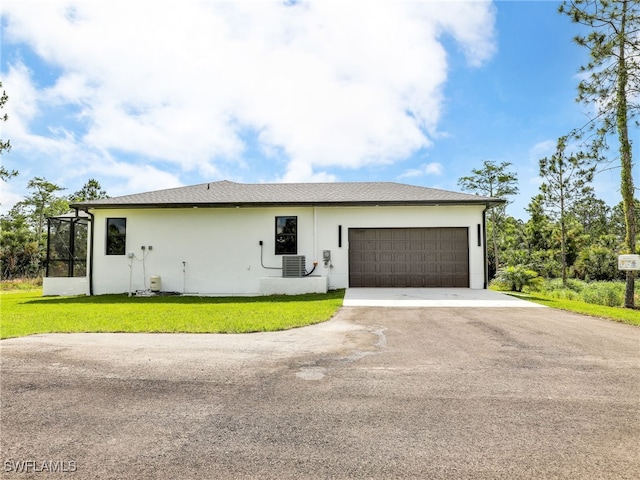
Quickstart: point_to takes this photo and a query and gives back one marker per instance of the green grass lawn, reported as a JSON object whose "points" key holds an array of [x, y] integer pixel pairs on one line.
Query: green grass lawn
{"points": [[26, 313], [618, 314]]}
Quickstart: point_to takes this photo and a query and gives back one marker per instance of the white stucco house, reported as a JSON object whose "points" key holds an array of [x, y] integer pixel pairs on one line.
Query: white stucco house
{"points": [[226, 238]]}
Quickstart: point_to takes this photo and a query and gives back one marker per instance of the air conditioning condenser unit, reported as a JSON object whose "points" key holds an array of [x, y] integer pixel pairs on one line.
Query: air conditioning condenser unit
{"points": [[293, 266]]}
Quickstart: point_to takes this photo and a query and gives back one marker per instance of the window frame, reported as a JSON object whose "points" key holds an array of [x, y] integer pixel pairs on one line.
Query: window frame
{"points": [[282, 246], [109, 237]]}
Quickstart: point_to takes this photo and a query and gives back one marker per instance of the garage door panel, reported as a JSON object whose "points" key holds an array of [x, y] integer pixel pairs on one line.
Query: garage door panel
{"points": [[432, 281], [416, 269], [369, 257], [447, 257], [401, 257], [409, 257], [369, 281], [431, 257], [415, 257], [370, 269], [431, 268], [460, 272], [400, 268]]}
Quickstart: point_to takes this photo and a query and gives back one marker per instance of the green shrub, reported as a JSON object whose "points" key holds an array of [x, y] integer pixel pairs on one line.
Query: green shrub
{"points": [[546, 263], [555, 289], [515, 278], [20, 284], [596, 263], [610, 294], [563, 294]]}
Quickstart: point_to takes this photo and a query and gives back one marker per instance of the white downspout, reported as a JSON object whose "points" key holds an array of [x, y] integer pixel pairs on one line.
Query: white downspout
{"points": [[130, 273], [315, 234]]}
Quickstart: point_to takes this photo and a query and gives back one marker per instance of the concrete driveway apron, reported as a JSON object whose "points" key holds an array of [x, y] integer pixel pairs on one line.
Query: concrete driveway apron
{"points": [[431, 297], [439, 393]]}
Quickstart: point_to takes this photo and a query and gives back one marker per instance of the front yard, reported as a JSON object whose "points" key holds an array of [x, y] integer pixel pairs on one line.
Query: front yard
{"points": [[26, 313]]}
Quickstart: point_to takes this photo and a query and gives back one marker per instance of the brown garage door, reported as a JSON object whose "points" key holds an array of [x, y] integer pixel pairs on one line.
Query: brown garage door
{"points": [[408, 257]]}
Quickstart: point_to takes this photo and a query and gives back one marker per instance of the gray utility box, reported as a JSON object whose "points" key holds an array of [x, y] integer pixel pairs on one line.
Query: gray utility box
{"points": [[293, 266]]}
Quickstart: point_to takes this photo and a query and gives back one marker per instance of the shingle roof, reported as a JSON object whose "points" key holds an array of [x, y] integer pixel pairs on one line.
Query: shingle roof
{"points": [[225, 194]]}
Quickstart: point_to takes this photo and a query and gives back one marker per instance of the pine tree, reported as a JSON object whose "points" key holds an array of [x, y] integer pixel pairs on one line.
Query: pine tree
{"points": [[43, 202], [566, 180], [492, 180], [612, 83], [92, 190]]}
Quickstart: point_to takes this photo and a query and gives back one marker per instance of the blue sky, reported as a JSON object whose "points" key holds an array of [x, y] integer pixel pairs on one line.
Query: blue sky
{"points": [[144, 96]]}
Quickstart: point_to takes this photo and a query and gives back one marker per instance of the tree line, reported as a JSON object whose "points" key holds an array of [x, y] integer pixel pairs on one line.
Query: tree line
{"points": [[570, 233]]}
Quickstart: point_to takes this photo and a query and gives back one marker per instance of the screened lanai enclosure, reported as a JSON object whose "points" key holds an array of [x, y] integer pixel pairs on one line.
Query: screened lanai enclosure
{"points": [[66, 265]]}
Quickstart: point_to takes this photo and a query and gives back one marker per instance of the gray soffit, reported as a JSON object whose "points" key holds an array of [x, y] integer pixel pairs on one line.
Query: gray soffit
{"points": [[230, 194]]}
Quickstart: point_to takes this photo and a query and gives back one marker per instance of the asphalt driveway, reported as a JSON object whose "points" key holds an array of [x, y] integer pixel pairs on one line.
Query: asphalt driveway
{"points": [[374, 393]]}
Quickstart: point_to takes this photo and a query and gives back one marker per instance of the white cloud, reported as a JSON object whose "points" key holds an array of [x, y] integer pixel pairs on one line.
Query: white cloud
{"points": [[131, 178], [17, 80], [8, 197], [35, 147], [542, 149], [433, 168], [325, 85]]}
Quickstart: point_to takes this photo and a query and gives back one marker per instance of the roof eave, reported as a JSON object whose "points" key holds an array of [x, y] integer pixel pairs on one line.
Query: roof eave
{"points": [[488, 203]]}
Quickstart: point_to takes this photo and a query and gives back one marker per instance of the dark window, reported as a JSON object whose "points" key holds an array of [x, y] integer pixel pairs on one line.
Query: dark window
{"points": [[116, 236], [286, 235]]}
